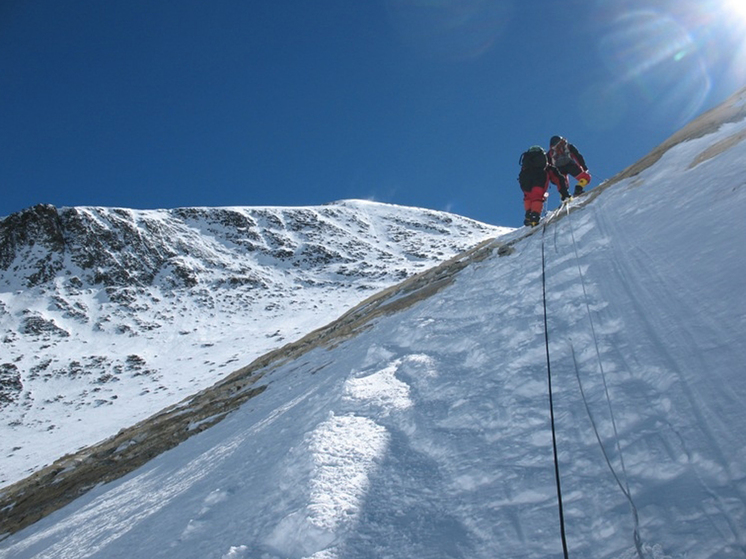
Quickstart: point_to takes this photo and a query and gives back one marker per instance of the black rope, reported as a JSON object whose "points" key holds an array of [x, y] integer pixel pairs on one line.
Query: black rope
{"points": [[625, 490], [551, 400], [624, 487]]}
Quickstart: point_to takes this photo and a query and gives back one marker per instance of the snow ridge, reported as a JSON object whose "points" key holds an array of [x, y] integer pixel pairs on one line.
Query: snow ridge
{"points": [[109, 315]]}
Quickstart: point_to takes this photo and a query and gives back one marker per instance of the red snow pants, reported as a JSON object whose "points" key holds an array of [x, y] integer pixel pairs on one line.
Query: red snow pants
{"points": [[533, 200]]}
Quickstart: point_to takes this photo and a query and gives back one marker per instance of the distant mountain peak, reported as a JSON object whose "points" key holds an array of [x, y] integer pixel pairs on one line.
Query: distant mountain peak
{"points": [[110, 314]]}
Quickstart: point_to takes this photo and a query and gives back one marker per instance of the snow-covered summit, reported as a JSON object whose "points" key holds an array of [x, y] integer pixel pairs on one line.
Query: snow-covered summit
{"points": [[108, 315]]}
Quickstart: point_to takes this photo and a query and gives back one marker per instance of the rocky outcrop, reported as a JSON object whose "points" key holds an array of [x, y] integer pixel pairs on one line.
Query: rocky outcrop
{"points": [[10, 383], [32, 243], [190, 246]]}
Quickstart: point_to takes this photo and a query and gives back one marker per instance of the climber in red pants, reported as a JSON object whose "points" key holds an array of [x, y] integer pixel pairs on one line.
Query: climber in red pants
{"points": [[534, 178]]}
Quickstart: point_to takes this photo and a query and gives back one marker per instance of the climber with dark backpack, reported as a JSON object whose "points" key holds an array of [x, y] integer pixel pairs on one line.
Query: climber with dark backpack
{"points": [[534, 178]]}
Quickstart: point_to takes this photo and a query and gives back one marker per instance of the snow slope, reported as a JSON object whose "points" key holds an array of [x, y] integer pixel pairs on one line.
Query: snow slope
{"points": [[109, 315], [428, 434]]}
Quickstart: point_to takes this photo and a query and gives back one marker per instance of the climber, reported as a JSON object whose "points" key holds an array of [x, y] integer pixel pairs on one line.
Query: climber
{"points": [[568, 160], [534, 178]]}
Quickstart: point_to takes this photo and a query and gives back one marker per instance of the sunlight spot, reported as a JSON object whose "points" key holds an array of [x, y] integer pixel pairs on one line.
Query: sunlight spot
{"points": [[737, 8], [658, 58]]}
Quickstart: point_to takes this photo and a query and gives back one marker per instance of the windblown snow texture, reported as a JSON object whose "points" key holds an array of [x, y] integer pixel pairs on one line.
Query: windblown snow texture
{"points": [[427, 435]]}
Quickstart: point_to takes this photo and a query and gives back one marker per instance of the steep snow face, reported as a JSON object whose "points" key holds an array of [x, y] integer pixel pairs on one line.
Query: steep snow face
{"points": [[109, 315], [428, 434]]}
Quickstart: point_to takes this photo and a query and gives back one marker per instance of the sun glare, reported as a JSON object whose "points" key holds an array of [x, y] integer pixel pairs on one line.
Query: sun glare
{"points": [[737, 8]]}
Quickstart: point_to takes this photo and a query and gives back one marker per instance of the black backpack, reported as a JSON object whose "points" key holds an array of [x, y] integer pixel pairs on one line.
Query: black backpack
{"points": [[533, 168], [533, 158]]}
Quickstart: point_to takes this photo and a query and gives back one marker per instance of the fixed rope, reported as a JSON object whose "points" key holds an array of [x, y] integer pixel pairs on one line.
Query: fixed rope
{"points": [[551, 400], [623, 486]]}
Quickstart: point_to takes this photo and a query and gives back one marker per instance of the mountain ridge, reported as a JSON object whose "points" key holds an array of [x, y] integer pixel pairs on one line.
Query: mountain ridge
{"points": [[101, 308]]}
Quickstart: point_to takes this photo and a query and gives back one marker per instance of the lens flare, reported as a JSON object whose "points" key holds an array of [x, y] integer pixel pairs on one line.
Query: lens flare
{"points": [[659, 58]]}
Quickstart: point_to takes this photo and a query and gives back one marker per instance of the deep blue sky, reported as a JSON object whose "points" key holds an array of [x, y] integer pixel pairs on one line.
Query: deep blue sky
{"points": [[429, 103]]}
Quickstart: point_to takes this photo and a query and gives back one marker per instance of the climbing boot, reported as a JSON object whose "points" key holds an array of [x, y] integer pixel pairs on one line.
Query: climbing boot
{"points": [[532, 219]]}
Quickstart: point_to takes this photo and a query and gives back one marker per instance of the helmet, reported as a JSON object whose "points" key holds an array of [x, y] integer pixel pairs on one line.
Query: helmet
{"points": [[555, 140]]}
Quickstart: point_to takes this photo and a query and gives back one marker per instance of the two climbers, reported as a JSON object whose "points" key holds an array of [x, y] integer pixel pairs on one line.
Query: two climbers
{"points": [[539, 168]]}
